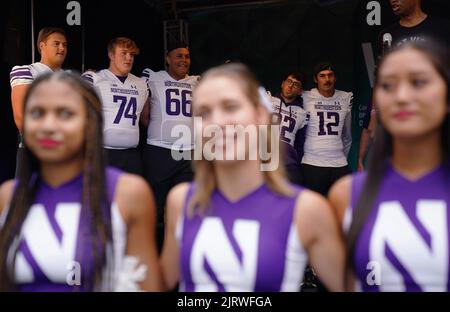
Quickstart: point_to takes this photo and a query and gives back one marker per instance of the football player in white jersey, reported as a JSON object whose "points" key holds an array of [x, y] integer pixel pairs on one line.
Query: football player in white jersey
{"points": [[123, 97], [288, 112], [328, 135], [169, 107], [52, 46]]}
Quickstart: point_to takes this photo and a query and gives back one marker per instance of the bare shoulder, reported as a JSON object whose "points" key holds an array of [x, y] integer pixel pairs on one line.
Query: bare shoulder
{"points": [[312, 206], [313, 216], [178, 192], [133, 196], [6, 191], [132, 186], [175, 200], [339, 195]]}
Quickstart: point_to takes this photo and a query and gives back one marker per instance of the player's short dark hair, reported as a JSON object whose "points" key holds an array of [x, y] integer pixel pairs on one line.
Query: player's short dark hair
{"points": [[323, 66], [176, 44], [297, 75], [45, 32], [122, 41]]}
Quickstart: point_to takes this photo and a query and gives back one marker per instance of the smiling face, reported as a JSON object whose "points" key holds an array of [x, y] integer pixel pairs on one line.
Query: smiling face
{"points": [[178, 61], [411, 95], [220, 102], [54, 123]]}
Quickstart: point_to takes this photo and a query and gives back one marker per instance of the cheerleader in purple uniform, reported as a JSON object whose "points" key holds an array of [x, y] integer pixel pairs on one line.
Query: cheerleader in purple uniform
{"points": [[397, 214], [239, 227], [68, 223]]}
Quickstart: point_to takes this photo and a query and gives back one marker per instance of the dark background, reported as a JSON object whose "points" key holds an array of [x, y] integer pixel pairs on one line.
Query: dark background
{"points": [[272, 37]]}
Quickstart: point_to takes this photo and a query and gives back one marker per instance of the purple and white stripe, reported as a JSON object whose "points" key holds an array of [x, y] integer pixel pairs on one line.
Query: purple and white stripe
{"points": [[146, 73], [20, 75], [88, 78]]}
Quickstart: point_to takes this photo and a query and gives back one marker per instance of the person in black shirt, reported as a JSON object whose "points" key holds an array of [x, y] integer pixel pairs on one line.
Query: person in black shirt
{"points": [[413, 25]]}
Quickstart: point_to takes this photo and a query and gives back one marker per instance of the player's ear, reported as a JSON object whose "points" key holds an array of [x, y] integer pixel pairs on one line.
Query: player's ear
{"points": [[41, 45], [315, 79], [110, 55], [167, 60]]}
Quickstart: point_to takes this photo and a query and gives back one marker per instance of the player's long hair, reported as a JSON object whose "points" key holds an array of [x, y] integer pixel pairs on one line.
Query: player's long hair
{"points": [[94, 199], [205, 178], [382, 149]]}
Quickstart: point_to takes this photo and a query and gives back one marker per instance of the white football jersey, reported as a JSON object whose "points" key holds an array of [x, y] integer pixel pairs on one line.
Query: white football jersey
{"points": [[26, 74], [122, 106], [328, 136], [170, 110], [291, 118]]}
